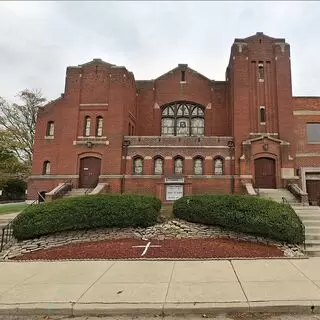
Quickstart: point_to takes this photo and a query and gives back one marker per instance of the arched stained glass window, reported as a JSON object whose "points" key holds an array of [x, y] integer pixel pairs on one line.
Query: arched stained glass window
{"points": [[182, 119]]}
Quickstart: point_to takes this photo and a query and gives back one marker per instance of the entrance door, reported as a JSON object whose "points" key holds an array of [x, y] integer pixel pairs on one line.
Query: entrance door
{"points": [[313, 189], [265, 173], [89, 172]]}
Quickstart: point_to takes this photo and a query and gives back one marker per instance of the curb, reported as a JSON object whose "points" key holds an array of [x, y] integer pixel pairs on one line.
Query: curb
{"points": [[158, 309]]}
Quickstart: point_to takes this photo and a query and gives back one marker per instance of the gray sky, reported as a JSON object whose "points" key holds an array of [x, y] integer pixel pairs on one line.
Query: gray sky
{"points": [[38, 40]]}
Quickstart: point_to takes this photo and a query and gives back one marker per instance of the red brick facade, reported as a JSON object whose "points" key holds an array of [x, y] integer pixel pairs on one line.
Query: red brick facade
{"points": [[253, 109]]}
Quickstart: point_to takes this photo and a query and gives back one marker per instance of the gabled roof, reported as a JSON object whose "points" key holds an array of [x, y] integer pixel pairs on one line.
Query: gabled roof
{"points": [[259, 35], [97, 61], [183, 67]]}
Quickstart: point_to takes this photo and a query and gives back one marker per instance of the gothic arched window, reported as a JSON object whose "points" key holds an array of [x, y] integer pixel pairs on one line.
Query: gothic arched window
{"points": [[158, 165], [182, 119], [178, 166], [198, 166], [218, 166], [138, 166]]}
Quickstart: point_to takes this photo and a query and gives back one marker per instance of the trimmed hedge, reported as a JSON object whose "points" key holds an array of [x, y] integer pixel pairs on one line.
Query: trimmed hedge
{"points": [[86, 212], [246, 214]]}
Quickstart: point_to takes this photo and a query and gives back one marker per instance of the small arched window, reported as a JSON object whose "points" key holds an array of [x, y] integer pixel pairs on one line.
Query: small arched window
{"points": [[99, 128], [262, 115], [178, 166], [218, 166], [46, 167], [50, 129], [261, 71], [87, 124], [138, 165], [158, 166], [198, 166]]}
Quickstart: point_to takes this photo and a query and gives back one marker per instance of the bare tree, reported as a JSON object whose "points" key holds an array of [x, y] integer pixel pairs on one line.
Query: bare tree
{"points": [[19, 121]]}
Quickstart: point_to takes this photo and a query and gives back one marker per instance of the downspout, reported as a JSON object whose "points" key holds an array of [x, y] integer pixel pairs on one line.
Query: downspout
{"points": [[125, 145]]}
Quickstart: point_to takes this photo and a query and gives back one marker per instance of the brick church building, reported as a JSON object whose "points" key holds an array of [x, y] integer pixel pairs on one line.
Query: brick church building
{"points": [[181, 133]]}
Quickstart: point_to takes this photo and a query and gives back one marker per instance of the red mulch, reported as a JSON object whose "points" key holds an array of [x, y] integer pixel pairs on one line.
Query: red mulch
{"points": [[170, 248]]}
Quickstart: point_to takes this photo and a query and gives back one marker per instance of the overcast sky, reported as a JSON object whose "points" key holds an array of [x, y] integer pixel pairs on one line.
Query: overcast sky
{"points": [[38, 40]]}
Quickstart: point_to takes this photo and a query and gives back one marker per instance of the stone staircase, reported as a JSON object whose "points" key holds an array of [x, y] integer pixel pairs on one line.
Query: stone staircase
{"points": [[278, 195], [309, 215], [77, 192]]}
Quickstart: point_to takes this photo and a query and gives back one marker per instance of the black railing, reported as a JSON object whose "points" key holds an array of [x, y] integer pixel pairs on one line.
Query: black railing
{"points": [[67, 186], [7, 231], [285, 201]]}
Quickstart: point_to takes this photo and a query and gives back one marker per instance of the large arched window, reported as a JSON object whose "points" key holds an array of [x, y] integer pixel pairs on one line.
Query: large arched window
{"points": [[178, 165], [198, 166], [158, 166], [182, 119], [138, 165], [218, 166]]}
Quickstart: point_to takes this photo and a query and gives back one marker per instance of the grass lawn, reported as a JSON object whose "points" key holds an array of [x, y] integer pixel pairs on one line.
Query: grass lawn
{"points": [[10, 208], [166, 211]]}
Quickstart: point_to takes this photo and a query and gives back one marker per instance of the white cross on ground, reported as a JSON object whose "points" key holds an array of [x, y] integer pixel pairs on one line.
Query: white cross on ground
{"points": [[146, 247]]}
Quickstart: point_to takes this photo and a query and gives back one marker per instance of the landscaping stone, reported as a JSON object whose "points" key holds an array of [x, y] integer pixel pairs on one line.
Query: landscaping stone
{"points": [[174, 229]]}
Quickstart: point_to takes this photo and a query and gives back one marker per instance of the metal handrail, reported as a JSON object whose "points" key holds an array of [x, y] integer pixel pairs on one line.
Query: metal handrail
{"points": [[285, 201], [7, 231], [62, 189]]}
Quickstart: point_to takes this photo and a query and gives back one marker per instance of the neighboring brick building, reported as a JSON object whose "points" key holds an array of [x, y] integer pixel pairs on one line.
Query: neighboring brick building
{"points": [[181, 132]]}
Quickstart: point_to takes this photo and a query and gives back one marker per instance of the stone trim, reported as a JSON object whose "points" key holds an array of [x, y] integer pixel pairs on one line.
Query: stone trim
{"points": [[307, 154], [306, 113], [84, 142], [54, 176], [143, 176], [246, 176], [48, 137], [147, 158], [263, 133], [184, 147], [168, 158], [93, 104], [111, 176]]}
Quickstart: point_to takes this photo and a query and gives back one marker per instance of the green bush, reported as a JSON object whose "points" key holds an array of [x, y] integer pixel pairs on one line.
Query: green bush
{"points": [[86, 212], [243, 214], [13, 189]]}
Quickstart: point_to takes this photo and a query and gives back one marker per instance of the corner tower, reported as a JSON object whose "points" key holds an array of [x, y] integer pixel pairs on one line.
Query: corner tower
{"points": [[259, 72]]}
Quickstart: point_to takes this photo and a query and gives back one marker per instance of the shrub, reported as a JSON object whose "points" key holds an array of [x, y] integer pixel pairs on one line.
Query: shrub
{"points": [[86, 212], [243, 214], [14, 189]]}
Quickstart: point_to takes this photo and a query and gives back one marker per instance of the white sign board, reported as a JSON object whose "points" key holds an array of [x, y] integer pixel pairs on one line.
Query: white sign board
{"points": [[174, 180], [174, 192]]}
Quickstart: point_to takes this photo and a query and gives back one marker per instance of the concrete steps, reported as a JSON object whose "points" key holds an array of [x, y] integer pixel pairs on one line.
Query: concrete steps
{"points": [[77, 192], [309, 215]]}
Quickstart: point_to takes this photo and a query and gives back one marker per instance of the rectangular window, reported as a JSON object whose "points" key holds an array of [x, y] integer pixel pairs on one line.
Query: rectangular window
{"points": [[313, 132], [183, 76]]}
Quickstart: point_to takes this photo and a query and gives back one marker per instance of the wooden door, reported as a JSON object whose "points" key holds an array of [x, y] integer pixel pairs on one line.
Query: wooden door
{"points": [[265, 173], [313, 190], [89, 172]]}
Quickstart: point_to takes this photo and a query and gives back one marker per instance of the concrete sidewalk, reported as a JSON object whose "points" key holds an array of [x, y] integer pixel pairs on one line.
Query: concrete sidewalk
{"points": [[157, 287]]}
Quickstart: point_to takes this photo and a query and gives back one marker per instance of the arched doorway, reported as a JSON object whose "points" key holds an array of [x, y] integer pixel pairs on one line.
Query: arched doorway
{"points": [[265, 173], [89, 172], [42, 196]]}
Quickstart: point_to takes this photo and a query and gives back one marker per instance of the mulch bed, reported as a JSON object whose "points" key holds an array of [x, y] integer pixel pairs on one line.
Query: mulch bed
{"points": [[170, 248]]}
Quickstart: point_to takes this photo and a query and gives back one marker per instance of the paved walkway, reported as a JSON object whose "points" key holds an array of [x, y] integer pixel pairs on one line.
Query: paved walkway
{"points": [[6, 218], [154, 287]]}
